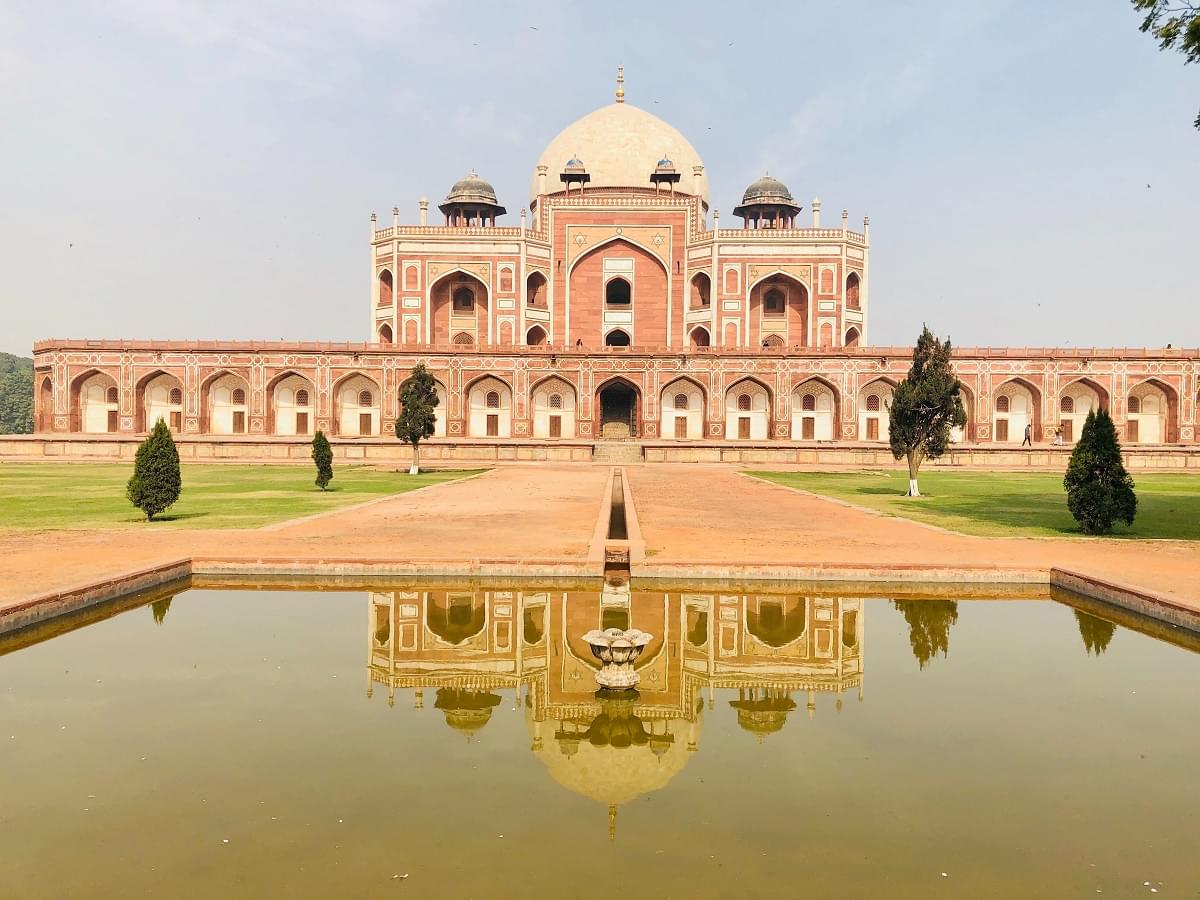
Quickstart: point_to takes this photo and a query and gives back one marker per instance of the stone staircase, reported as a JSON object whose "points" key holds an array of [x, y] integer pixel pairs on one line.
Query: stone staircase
{"points": [[617, 452]]}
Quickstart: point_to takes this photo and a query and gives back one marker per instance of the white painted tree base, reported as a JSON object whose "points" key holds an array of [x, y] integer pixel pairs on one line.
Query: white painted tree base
{"points": [[912, 488]]}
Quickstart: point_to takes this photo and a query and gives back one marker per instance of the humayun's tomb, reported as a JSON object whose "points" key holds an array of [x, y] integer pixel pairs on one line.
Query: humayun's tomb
{"points": [[615, 310]]}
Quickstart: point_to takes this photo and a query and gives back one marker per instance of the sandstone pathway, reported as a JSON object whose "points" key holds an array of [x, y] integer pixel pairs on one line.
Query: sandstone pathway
{"points": [[701, 514], [543, 512]]}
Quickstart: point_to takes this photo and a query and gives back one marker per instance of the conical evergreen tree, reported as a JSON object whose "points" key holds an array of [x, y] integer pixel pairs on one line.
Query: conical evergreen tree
{"points": [[925, 406], [322, 455], [156, 480], [1099, 490], [418, 402], [1096, 632]]}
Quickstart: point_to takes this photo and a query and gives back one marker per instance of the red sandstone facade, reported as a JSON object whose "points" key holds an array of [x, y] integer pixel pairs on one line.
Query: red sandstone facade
{"points": [[615, 311]]}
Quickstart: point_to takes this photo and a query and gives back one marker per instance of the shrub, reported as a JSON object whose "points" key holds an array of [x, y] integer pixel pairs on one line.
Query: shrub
{"points": [[322, 455], [1099, 490], [156, 480]]}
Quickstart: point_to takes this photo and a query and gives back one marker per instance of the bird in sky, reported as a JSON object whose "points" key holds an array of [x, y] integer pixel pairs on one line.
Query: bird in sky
{"points": [[533, 28]]}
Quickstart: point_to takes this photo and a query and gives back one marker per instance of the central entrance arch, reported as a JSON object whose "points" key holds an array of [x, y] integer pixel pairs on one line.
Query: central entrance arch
{"points": [[620, 408]]}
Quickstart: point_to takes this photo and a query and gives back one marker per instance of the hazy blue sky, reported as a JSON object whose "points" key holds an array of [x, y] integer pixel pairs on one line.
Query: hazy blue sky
{"points": [[178, 168]]}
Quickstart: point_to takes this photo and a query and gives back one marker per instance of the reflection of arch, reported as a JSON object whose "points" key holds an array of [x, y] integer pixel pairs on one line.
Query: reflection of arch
{"points": [[618, 406], [536, 336], [618, 337], [748, 410], [153, 402], [352, 417], [93, 411], [681, 406], [291, 405], [222, 413], [699, 336], [874, 398], [1024, 403], [701, 292], [553, 408], [489, 403], [1157, 419], [776, 621], [815, 410], [456, 618], [852, 337]]}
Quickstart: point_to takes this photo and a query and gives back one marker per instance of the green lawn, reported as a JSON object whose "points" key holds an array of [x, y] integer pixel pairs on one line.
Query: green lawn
{"points": [[87, 495], [1004, 503]]}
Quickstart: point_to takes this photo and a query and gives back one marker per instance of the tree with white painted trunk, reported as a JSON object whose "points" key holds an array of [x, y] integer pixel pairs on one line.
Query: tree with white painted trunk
{"points": [[418, 416], [926, 405]]}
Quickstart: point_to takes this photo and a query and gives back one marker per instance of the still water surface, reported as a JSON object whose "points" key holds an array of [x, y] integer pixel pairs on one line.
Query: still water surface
{"points": [[449, 744]]}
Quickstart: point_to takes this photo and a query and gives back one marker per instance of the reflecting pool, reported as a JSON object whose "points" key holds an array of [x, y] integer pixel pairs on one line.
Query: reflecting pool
{"points": [[451, 743]]}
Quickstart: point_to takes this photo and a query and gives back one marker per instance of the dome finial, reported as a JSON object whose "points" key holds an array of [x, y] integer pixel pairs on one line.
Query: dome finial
{"points": [[620, 84]]}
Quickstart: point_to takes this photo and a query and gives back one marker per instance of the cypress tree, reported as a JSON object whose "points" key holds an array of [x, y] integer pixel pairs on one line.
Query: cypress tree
{"points": [[322, 455], [156, 480], [929, 624], [925, 406], [418, 402], [1099, 490], [1096, 632]]}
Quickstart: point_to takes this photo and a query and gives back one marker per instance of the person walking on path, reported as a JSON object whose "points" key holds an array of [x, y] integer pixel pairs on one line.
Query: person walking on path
{"points": [[1028, 436]]}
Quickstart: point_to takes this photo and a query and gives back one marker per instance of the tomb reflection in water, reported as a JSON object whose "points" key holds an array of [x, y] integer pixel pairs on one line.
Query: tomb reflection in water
{"points": [[777, 651]]}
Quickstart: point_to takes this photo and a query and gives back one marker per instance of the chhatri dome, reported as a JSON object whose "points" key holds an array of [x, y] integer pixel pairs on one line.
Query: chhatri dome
{"points": [[620, 144]]}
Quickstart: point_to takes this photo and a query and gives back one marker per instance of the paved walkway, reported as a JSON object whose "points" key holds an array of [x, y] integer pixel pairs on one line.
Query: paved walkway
{"points": [[692, 514], [687, 514], [509, 513]]}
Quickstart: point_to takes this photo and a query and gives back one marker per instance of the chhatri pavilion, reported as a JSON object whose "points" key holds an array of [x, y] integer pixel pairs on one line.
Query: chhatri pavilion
{"points": [[620, 305]]}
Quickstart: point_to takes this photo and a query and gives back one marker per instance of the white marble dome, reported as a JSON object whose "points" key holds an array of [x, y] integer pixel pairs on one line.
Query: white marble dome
{"points": [[619, 145]]}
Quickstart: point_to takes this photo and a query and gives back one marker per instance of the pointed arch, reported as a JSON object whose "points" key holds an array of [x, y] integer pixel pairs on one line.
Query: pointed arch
{"points": [[874, 398], [618, 408], [1076, 398], [385, 333], [967, 432], [222, 409], [748, 405], [617, 337], [489, 407], [1154, 426], [291, 404], [351, 416], [153, 400], [616, 239], [853, 286], [536, 288], [386, 287], [816, 409], [853, 336], [700, 294], [440, 412], [446, 320], [92, 412], [686, 421], [45, 404], [699, 337], [553, 401], [536, 336], [1025, 409], [779, 306]]}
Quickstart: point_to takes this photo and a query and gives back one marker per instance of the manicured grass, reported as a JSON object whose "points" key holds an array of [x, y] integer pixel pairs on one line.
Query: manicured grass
{"points": [[1004, 503], [90, 495]]}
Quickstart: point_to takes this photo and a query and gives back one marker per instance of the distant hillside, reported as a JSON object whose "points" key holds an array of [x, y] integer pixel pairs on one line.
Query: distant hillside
{"points": [[16, 394]]}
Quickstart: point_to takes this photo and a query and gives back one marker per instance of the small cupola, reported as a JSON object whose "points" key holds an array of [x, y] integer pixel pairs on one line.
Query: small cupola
{"points": [[574, 172], [472, 201], [768, 203], [664, 173]]}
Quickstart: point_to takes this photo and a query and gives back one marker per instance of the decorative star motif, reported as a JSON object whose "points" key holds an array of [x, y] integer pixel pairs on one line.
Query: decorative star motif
{"points": [[658, 240], [579, 240]]}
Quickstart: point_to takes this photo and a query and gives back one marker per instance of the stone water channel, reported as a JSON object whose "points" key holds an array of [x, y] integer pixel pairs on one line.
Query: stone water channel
{"points": [[249, 736]]}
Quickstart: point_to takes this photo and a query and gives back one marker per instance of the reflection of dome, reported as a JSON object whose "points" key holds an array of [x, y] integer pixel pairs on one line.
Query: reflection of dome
{"points": [[763, 713], [466, 711], [613, 775], [621, 144]]}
